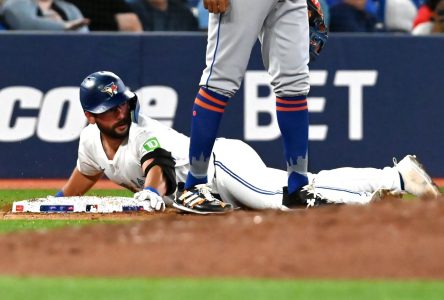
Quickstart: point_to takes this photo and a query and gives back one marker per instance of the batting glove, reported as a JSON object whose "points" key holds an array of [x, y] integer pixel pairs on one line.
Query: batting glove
{"points": [[150, 194]]}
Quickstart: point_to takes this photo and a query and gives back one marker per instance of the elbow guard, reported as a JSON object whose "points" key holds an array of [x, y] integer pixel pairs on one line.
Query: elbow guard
{"points": [[166, 162]]}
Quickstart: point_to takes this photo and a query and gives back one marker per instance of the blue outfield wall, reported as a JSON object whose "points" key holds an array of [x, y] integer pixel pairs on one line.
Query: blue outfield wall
{"points": [[372, 97]]}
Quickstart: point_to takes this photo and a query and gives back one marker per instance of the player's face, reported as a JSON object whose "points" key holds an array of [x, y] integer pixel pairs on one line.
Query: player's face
{"points": [[115, 123]]}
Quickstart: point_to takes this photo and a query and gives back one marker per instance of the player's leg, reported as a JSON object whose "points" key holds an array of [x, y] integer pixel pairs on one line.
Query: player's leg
{"points": [[242, 178], [231, 37], [356, 185], [285, 51], [359, 179], [407, 176]]}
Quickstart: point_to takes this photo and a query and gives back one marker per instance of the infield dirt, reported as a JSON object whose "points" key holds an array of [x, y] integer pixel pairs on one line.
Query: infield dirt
{"points": [[388, 239]]}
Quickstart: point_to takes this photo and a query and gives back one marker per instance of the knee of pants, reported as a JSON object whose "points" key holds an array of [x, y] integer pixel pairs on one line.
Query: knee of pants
{"points": [[292, 88], [292, 84], [227, 89]]}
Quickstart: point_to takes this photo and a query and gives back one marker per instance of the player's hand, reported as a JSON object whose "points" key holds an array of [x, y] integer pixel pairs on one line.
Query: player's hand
{"points": [[216, 6], [156, 201]]}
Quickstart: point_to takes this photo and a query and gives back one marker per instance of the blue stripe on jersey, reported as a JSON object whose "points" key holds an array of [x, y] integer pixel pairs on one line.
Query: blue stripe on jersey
{"points": [[215, 50], [243, 182], [336, 189]]}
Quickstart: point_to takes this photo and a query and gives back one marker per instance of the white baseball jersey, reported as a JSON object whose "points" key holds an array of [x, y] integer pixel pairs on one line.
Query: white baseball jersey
{"points": [[125, 169], [236, 171], [242, 178]]}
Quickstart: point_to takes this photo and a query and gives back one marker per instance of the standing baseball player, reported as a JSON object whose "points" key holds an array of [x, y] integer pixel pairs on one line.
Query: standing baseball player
{"points": [[282, 27], [149, 158]]}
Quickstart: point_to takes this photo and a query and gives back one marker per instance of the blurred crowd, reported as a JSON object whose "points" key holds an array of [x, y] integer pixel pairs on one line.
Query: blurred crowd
{"points": [[419, 17]]}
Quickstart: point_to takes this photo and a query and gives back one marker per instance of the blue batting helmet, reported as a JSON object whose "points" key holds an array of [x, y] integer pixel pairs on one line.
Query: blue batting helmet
{"points": [[103, 90]]}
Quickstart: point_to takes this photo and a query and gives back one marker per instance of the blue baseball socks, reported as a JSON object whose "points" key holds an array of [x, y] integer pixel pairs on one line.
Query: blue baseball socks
{"points": [[208, 110]]}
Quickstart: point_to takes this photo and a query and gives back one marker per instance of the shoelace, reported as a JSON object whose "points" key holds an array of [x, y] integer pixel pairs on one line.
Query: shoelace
{"points": [[206, 191]]}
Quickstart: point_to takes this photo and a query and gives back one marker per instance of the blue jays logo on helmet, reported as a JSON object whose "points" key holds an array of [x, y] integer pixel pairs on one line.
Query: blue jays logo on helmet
{"points": [[111, 89], [103, 90]]}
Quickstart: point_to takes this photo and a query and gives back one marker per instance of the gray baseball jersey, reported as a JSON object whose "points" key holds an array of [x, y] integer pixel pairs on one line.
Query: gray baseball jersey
{"points": [[283, 30]]}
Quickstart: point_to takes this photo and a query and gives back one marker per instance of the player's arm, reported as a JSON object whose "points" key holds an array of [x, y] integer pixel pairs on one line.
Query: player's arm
{"points": [[78, 184], [160, 177], [158, 167], [216, 6], [155, 178]]}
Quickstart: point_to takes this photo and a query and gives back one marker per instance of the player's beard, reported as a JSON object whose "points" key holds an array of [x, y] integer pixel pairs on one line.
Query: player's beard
{"points": [[113, 132]]}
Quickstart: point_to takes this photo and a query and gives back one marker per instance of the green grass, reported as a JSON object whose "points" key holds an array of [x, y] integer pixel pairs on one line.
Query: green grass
{"points": [[20, 225], [223, 289], [9, 196]]}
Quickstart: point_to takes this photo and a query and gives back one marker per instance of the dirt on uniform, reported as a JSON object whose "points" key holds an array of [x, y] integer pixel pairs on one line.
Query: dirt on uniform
{"points": [[388, 239]]}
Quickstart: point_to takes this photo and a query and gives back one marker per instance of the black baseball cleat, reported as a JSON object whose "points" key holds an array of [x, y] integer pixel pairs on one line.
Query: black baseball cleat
{"points": [[305, 197], [200, 200]]}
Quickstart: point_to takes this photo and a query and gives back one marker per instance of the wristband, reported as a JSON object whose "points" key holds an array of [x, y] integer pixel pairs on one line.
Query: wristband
{"points": [[148, 188], [59, 194]]}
